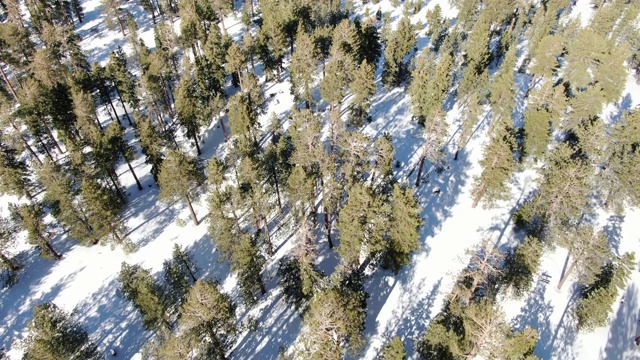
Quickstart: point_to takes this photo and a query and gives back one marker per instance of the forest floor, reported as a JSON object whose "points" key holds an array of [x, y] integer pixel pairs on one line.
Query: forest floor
{"points": [[85, 280]]}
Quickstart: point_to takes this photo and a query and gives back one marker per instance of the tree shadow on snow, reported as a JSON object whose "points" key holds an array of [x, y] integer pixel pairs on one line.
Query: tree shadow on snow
{"points": [[623, 329]]}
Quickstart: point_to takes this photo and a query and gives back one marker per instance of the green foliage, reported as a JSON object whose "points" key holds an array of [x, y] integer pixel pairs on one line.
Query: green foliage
{"points": [[399, 44], [54, 334], [102, 208], [537, 129], [179, 176], [139, 287], [520, 265], [123, 79], [179, 275], [403, 229], [437, 27], [333, 324], [14, 173], [151, 143], [7, 241], [303, 63], [299, 281], [394, 350], [209, 315], [248, 263], [31, 217], [363, 87], [594, 307]]}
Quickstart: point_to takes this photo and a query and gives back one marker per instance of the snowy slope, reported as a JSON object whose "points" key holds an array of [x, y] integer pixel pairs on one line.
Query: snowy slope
{"points": [[84, 281]]}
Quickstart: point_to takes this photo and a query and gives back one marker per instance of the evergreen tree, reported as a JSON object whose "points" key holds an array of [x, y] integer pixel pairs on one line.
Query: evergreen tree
{"points": [[179, 274], [113, 15], [502, 93], [209, 315], [236, 61], [334, 84], [179, 176], [187, 107], [404, 225], [394, 350], [54, 334], [7, 240], [520, 265], [102, 208], [588, 252], [124, 81], [248, 263], [139, 287], [537, 131], [594, 307], [399, 44], [151, 144], [477, 279], [31, 218], [437, 30], [303, 63], [498, 164], [333, 324], [14, 173], [363, 87]]}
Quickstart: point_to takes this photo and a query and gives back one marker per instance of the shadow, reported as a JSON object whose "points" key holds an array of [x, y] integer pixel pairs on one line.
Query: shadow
{"points": [[613, 231], [536, 313], [623, 329]]}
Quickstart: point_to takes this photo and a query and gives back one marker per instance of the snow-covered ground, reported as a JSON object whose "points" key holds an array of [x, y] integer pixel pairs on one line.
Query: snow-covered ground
{"points": [[84, 281]]}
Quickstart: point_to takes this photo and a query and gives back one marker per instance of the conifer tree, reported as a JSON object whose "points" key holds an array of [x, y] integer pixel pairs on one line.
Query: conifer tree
{"points": [[502, 93], [248, 263], [588, 252], [209, 315], [476, 280], [179, 177], [498, 164], [333, 324], [124, 81], [394, 350], [187, 107], [236, 61], [7, 240], [537, 130], [403, 229], [102, 208], [437, 30], [139, 287], [151, 144], [399, 44], [520, 265], [594, 307], [303, 63], [14, 173], [31, 218], [334, 84], [363, 87], [179, 274], [382, 169], [113, 15], [54, 334], [149, 7]]}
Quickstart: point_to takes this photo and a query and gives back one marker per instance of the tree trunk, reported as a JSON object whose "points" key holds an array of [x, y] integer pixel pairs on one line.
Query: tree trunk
{"points": [[6, 80], [478, 196], [195, 139], [224, 28], [455, 157], [133, 173], [251, 3], [123, 105], [120, 25], [263, 290], [53, 139], [44, 147], [566, 275], [224, 130], [327, 224], [420, 170], [275, 175], [105, 93], [33, 153], [193, 213], [50, 248], [10, 263], [113, 178], [193, 277], [266, 231]]}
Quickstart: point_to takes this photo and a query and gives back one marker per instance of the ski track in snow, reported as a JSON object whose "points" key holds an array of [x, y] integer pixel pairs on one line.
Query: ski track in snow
{"points": [[85, 280]]}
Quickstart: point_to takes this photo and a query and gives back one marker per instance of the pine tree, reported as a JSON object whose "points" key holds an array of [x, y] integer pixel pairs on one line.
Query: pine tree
{"points": [[102, 208], [437, 30], [151, 144], [139, 287], [363, 87], [502, 94], [7, 241], [394, 350], [113, 15], [520, 264], [588, 252], [498, 164], [334, 84], [236, 61], [14, 173], [179, 275], [537, 130], [124, 81], [303, 63], [208, 314], [187, 107], [179, 176], [248, 263], [404, 226], [54, 334], [149, 7], [382, 168], [594, 307], [333, 324], [31, 218], [476, 280], [399, 44]]}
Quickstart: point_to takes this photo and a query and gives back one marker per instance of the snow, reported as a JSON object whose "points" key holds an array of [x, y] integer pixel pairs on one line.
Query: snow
{"points": [[84, 281]]}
